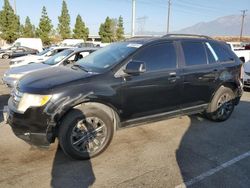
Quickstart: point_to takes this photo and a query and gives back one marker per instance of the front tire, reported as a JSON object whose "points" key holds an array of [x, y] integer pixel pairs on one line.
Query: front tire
{"points": [[85, 134], [222, 105]]}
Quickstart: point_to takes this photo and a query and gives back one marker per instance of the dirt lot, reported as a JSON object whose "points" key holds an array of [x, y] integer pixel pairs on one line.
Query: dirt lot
{"points": [[164, 154]]}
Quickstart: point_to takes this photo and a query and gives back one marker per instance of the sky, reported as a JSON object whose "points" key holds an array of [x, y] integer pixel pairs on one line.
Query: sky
{"points": [[151, 14]]}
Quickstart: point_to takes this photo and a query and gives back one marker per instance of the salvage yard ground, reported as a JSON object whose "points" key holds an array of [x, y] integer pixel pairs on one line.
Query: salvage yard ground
{"points": [[187, 149]]}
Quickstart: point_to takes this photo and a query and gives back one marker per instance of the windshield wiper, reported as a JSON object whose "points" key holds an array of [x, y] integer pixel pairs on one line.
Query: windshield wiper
{"points": [[80, 67]]}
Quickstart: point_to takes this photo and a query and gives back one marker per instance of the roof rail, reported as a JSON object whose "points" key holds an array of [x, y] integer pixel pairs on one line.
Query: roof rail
{"points": [[187, 35]]}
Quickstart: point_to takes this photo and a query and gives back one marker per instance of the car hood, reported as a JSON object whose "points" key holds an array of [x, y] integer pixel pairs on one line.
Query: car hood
{"points": [[45, 80], [25, 69], [247, 67]]}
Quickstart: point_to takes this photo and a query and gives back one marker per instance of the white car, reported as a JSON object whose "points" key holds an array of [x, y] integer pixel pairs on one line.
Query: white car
{"points": [[246, 76], [42, 56], [65, 58]]}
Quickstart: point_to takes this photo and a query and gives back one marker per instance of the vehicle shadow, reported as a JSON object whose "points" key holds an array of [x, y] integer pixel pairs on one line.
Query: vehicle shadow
{"points": [[67, 172], [206, 145]]}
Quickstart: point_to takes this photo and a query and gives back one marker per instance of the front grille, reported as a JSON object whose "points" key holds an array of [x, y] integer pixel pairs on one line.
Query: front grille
{"points": [[16, 97]]}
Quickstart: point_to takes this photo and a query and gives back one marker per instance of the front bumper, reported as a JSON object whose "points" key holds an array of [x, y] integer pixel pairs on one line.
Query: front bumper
{"points": [[32, 126]]}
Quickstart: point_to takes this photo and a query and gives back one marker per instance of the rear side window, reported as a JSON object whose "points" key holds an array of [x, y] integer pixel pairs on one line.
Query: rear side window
{"points": [[221, 52], [194, 53], [211, 55], [158, 57]]}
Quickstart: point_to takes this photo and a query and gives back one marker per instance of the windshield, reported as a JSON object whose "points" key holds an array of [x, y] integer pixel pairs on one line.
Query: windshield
{"points": [[108, 56], [58, 57], [44, 52]]}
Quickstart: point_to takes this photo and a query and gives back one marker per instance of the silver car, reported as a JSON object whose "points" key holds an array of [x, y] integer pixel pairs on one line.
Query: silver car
{"points": [[63, 58]]}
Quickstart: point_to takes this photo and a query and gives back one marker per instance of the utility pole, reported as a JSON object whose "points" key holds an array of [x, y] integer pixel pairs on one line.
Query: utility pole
{"points": [[133, 19], [169, 5], [15, 6], [242, 23], [141, 22]]}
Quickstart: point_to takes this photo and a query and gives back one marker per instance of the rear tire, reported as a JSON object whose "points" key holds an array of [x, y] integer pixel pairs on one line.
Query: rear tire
{"points": [[5, 56], [222, 105], [85, 134]]}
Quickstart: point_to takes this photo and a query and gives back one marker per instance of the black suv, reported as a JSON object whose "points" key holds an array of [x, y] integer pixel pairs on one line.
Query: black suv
{"points": [[125, 84]]}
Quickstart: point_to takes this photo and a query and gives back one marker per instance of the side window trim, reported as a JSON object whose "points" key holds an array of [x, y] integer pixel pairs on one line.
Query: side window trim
{"points": [[210, 48]]}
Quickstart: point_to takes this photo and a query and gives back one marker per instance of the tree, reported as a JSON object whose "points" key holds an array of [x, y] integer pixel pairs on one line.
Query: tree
{"points": [[45, 27], [120, 29], [28, 30], [80, 30], [9, 23], [64, 22], [106, 31]]}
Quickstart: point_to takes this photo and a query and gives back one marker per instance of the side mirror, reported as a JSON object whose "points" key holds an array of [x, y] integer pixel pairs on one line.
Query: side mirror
{"points": [[242, 59], [135, 67]]}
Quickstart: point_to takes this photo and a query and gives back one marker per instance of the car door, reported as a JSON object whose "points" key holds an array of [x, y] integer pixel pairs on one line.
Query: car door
{"points": [[200, 73], [157, 90], [19, 52]]}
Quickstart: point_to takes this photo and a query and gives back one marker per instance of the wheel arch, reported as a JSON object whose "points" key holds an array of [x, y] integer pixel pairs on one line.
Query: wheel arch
{"points": [[109, 109], [231, 85]]}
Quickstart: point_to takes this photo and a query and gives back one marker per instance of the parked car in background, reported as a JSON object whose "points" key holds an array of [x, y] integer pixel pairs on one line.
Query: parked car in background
{"points": [[16, 51], [246, 76], [122, 85], [40, 57], [71, 42], [240, 50], [63, 58], [84, 45], [33, 43]]}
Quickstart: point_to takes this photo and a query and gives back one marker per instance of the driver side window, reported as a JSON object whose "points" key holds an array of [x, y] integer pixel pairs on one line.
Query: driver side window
{"points": [[158, 57]]}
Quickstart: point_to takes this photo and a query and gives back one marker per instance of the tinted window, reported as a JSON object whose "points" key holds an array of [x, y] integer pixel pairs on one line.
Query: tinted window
{"points": [[194, 53], [158, 57], [221, 52]]}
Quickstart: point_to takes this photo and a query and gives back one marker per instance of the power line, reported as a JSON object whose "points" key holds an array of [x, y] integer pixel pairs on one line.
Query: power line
{"points": [[242, 22]]}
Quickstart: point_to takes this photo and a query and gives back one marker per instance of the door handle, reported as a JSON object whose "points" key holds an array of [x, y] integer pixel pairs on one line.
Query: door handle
{"points": [[216, 70], [172, 74], [173, 77]]}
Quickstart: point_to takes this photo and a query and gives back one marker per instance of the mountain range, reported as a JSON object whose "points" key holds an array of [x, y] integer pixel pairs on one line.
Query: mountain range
{"points": [[222, 26]]}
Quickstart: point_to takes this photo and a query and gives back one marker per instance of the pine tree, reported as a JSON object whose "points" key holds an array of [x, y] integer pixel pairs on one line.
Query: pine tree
{"points": [[120, 29], [28, 29], [45, 27], [64, 22], [80, 30], [9, 23], [106, 31]]}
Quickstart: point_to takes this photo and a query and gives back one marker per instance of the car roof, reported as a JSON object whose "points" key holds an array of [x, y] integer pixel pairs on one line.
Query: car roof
{"points": [[169, 37]]}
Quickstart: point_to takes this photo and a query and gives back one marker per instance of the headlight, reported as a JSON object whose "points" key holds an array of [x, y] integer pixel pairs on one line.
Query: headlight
{"points": [[16, 76], [32, 100]]}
